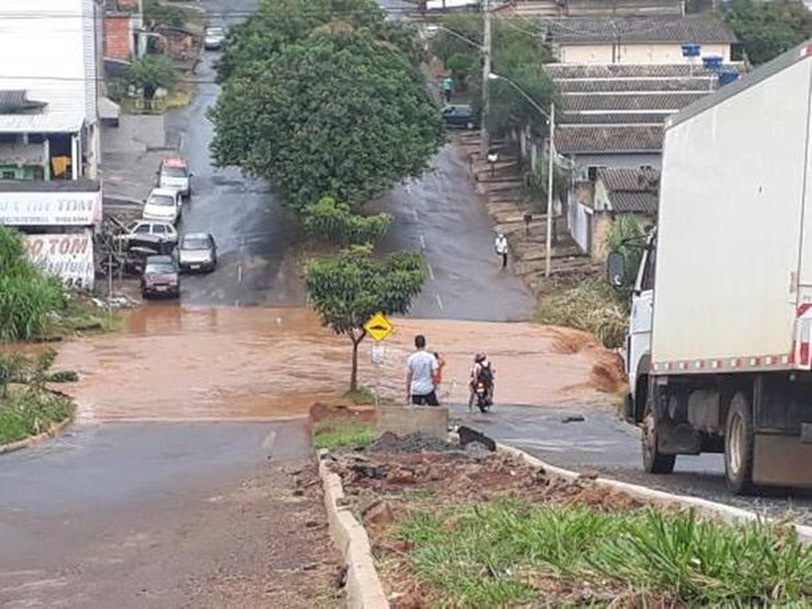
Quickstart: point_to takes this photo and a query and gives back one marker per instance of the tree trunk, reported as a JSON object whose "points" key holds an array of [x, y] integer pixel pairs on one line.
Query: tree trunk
{"points": [[354, 373]]}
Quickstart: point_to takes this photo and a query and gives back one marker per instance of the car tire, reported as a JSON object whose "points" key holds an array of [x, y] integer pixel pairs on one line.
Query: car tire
{"points": [[739, 445]]}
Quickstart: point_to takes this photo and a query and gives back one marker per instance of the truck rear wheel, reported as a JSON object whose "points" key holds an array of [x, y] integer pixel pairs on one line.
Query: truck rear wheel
{"points": [[739, 442], [654, 462]]}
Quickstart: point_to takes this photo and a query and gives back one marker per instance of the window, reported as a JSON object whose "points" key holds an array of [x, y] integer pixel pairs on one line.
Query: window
{"points": [[141, 229], [648, 272], [158, 229], [7, 175]]}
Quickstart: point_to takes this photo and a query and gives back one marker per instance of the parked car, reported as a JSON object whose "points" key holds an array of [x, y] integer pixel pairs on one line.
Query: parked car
{"points": [[460, 116], [161, 277], [214, 38], [140, 228], [197, 252], [162, 204], [174, 173]]}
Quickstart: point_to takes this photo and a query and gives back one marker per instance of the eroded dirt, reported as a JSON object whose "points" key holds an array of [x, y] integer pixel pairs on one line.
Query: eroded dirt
{"points": [[176, 363], [383, 487]]}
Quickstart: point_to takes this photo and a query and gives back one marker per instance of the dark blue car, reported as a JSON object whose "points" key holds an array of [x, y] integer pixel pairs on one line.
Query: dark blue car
{"points": [[460, 116]]}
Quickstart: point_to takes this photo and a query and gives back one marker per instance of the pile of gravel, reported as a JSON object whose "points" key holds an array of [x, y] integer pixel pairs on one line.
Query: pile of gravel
{"points": [[411, 443]]}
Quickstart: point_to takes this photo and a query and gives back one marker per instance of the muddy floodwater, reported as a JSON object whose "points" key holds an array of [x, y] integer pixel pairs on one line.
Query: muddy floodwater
{"points": [[175, 363]]}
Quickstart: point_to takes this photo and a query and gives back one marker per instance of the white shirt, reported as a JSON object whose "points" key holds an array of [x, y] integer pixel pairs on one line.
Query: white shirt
{"points": [[422, 365], [501, 245]]}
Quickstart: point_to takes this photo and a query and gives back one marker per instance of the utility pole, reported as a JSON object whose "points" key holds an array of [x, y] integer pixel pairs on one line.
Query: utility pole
{"points": [[550, 173], [486, 70]]}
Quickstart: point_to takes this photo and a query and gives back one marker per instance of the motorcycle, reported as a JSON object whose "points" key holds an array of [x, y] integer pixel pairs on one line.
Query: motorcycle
{"points": [[483, 397]]}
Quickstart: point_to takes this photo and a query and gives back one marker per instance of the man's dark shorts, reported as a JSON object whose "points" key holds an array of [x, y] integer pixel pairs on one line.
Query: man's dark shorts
{"points": [[429, 399]]}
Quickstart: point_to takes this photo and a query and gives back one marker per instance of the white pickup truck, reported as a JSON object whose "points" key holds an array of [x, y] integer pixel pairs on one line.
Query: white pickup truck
{"points": [[718, 350]]}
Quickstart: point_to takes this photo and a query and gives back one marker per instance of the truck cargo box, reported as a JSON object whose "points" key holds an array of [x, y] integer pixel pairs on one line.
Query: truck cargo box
{"points": [[734, 251]]}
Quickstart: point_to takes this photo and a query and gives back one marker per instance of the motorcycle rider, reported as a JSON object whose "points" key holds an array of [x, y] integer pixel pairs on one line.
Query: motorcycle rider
{"points": [[481, 372]]}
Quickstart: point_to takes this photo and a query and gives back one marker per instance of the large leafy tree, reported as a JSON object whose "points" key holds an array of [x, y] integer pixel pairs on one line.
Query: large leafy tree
{"points": [[767, 29], [339, 114], [348, 289]]}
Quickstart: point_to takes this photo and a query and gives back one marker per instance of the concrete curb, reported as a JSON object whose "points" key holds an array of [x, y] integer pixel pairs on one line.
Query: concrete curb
{"points": [[721, 511], [30, 441], [363, 588]]}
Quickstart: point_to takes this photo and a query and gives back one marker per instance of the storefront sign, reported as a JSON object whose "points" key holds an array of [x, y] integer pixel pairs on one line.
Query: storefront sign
{"points": [[50, 208], [67, 256]]}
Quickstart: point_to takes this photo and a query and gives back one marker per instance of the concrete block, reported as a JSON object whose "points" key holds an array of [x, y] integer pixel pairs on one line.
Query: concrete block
{"points": [[403, 420]]}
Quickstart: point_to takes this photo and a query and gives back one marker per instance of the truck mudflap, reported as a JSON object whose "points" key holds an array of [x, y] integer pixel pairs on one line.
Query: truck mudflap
{"points": [[780, 460]]}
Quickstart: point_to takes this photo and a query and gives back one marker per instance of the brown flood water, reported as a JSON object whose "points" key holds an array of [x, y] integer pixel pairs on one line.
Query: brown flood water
{"points": [[176, 363]]}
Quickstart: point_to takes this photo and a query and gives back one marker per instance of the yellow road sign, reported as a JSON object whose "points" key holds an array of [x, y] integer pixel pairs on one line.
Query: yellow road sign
{"points": [[378, 327]]}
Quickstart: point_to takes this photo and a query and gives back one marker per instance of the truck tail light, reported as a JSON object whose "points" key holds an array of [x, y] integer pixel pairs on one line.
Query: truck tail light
{"points": [[806, 331]]}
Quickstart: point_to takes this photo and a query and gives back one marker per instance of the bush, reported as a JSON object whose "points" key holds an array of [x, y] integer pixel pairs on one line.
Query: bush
{"points": [[31, 413], [29, 300], [332, 221], [152, 72], [592, 307]]}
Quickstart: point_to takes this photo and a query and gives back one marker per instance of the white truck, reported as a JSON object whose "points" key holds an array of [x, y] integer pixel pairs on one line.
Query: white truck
{"points": [[718, 349]]}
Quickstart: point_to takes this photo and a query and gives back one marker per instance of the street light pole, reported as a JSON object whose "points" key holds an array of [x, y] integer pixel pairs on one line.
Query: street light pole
{"points": [[550, 219], [551, 168]]}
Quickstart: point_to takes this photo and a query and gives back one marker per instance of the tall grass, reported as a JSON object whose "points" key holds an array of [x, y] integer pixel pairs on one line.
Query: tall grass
{"points": [[591, 306], [29, 299], [333, 433], [30, 413], [508, 553]]}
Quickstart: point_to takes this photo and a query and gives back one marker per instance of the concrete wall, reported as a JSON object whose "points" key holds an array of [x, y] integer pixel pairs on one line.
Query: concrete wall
{"points": [[635, 54]]}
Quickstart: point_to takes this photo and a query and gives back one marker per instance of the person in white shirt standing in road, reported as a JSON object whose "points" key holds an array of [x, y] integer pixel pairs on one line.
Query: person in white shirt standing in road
{"points": [[421, 370], [501, 247]]}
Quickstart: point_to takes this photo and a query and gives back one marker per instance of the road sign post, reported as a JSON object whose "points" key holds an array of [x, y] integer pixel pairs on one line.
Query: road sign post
{"points": [[379, 328]]}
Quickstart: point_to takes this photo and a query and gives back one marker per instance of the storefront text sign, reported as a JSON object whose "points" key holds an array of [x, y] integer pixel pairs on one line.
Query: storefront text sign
{"points": [[68, 256], [50, 208]]}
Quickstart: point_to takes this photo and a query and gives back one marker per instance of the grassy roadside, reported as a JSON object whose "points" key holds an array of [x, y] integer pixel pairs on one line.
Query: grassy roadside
{"points": [[509, 553], [25, 414], [334, 433]]}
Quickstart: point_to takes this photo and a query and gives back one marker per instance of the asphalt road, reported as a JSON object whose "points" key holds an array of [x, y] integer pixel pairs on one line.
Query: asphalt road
{"points": [[253, 233], [442, 216], [600, 443], [105, 515]]}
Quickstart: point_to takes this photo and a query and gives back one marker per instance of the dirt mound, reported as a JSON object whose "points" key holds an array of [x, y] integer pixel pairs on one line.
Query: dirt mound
{"points": [[607, 374], [567, 341], [411, 443]]}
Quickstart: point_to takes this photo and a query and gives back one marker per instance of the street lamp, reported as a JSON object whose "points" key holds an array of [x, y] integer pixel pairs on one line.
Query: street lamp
{"points": [[551, 119]]}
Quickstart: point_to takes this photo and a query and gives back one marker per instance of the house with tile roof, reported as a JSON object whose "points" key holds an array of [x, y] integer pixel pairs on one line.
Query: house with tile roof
{"points": [[612, 193], [653, 40]]}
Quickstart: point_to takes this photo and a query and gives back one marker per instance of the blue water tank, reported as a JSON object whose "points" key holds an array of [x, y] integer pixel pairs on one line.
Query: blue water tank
{"points": [[712, 62], [690, 49], [727, 77]]}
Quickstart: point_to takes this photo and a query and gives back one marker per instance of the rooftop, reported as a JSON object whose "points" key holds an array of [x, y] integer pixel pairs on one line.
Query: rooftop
{"points": [[702, 29], [609, 139], [631, 190]]}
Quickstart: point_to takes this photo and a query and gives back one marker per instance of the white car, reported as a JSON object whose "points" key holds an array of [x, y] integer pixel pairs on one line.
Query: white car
{"points": [[214, 38], [163, 230], [174, 173], [163, 205]]}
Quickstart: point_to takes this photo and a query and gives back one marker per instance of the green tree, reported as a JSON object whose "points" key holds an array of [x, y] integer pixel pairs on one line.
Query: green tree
{"points": [[340, 114], [332, 221], [278, 23], [350, 288], [157, 13], [767, 29], [151, 72]]}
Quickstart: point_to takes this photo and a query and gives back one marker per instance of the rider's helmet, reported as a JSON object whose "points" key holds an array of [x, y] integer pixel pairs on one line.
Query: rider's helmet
{"points": [[480, 356]]}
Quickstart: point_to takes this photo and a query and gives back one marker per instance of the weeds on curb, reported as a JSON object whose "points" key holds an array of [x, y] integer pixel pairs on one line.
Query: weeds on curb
{"points": [[505, 553], [30, 413], [337, 432]]}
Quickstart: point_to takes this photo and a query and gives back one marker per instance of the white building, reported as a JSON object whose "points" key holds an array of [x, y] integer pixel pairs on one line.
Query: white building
{"points": [[48, 89]]}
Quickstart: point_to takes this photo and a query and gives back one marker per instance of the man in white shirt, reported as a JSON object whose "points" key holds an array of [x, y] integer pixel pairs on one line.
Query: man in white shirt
{"points": [[501, 246], [421, 369]]}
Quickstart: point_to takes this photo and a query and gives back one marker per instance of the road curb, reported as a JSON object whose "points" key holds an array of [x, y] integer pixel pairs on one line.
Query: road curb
{"points": [[721, 511], [363, 587], [32, 440]]}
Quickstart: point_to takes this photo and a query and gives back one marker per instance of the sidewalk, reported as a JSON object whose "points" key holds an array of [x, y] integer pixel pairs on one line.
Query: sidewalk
{"points": [[131, 154], [507, 206]]}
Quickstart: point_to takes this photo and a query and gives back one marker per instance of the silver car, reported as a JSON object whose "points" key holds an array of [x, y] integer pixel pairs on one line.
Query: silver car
{"points": [[214, 38], [197, 252]]}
